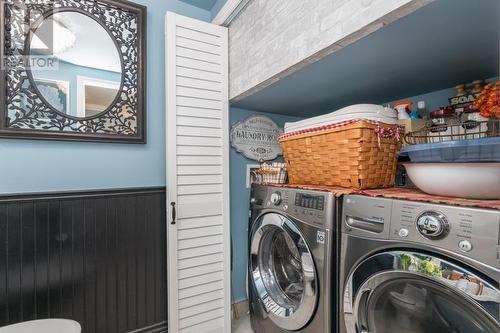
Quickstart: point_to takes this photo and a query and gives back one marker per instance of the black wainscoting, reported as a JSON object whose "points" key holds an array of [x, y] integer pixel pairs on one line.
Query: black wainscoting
{"points": [[95, 257]]}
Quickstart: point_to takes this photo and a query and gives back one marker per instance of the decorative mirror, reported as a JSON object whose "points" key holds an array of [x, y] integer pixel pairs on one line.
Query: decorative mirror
{"points": [[73, 70]]}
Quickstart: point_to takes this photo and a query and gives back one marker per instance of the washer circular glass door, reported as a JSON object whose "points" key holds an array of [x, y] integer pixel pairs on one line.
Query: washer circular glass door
{"points": [[404, 291], [283, 272]]}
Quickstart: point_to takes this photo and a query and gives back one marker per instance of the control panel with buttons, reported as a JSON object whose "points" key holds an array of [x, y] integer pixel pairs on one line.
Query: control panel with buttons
{"points": [[469, 231], [313, 207]]}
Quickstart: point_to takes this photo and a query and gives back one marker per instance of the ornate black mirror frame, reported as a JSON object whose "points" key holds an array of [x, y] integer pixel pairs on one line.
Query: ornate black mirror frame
{"points": [[123, 121]]}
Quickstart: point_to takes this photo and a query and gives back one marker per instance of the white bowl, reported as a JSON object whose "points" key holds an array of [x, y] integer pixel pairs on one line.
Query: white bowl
{"points": [[463, 180]]}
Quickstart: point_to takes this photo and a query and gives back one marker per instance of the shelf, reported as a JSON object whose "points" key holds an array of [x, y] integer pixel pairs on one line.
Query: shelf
{"points": [[438, 46]]}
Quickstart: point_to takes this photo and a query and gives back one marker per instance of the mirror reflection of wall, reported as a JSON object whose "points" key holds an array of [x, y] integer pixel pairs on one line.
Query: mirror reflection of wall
{"points": [[56, 92], [88, 73], [94, 95]]}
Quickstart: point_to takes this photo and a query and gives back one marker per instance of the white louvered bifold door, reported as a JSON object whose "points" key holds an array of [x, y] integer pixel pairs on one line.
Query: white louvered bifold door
{"points": [[197, 176]]}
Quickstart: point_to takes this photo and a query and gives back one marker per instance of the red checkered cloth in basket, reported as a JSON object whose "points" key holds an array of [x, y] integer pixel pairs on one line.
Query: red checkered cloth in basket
{"points": [[381, 132]]}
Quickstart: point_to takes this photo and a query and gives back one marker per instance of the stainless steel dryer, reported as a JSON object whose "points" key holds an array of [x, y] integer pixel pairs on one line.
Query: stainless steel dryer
{"points": [[292, 246], [419, 268]]}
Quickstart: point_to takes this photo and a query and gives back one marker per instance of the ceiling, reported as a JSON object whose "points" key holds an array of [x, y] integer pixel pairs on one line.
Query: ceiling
{"points": [[89, 36], [203, 4], [440, 45]]}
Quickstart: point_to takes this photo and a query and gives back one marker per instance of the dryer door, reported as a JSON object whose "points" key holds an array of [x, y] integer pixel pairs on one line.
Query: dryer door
{"points": [[404, 291], [283, 271]]}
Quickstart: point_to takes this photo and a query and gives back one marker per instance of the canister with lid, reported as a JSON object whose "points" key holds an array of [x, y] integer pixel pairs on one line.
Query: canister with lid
{"points": [[474, 126], [443, 121]]}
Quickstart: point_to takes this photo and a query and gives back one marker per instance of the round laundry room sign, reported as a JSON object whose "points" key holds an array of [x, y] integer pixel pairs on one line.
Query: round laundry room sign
{"points": [[256, 138]]}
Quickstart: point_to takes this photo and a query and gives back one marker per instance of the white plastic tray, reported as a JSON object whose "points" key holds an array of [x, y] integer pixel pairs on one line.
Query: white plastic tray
{"points": [[359, 111]]}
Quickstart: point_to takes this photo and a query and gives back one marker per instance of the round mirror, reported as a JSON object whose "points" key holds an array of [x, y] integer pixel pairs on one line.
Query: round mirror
{"points": [[75, 64]]}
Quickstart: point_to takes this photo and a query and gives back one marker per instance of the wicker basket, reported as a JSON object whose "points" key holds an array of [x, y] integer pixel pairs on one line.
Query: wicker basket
{"points": [[274, 173], [357, 154]]}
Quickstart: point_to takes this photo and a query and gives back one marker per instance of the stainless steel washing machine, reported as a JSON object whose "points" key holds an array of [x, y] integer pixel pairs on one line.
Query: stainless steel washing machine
{"points": [[292, 243], [418, 268]]}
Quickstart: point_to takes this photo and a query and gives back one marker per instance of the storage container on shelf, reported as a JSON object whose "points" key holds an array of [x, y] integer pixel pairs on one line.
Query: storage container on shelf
{"points": [[466, 168], [462, 180], [371, 112], [443, 125], [357, 154], [476, 150], [273, 173], [459, 131], [474, 126]]}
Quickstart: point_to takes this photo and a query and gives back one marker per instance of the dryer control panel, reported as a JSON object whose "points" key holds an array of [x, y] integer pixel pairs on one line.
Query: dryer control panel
{"points": [[472, 232]]}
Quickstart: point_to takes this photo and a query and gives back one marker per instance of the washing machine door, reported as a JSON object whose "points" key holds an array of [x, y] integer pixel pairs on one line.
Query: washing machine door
{"points": [[404, 291], [283, 272]]}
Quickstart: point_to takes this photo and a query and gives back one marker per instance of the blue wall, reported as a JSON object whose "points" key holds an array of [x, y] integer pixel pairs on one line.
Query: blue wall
{"points": [[37, 165], [69, 72], [240, 198]]}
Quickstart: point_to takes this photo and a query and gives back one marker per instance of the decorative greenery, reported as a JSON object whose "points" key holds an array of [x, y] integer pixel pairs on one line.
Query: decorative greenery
{"points": [[430, 268], [406, 261]]}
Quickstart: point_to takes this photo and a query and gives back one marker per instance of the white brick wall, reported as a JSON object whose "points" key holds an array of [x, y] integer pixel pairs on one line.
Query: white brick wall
{"points": [[271, 39]]}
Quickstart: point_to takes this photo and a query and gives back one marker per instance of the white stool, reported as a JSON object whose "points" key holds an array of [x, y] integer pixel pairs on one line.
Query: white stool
{"points": [[44, 326]]}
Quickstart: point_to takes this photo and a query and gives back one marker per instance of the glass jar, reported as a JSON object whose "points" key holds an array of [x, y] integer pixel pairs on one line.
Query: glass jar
{"points": [[444, 125], [473, 125]]}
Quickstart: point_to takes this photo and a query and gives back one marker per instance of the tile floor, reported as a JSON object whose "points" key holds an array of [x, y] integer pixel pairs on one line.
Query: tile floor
{"points": [[242, 325]]}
